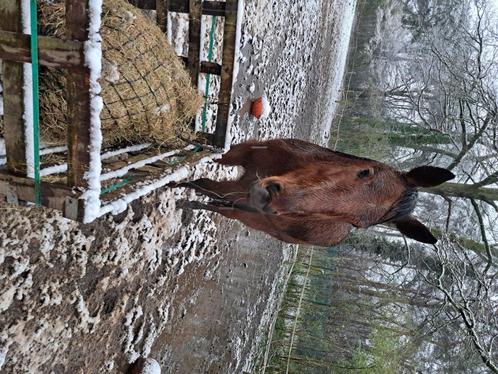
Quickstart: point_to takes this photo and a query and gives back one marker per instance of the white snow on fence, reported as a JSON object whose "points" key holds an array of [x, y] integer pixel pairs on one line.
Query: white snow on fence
{"points": [[62, 168], [121, 172], [119, 205], [28, 96], [93, 59]]}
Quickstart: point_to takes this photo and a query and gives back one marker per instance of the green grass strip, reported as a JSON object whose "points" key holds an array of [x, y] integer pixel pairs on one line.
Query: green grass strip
{"points": [[36, 107]]}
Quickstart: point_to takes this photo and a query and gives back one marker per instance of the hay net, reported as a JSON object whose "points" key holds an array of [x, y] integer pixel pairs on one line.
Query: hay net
{"points": [[148, 95]]}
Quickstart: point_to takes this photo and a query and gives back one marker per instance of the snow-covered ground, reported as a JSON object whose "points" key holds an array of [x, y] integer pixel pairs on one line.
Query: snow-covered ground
{"points": [[189, 289]]}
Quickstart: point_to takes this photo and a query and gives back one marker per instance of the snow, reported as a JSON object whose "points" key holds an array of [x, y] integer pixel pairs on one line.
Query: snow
{"points": [[132, 148], [55, 169], [3, 356], [211, 97], [162, 109], [241, 11], [62, 168], [93, 59], [1, 97], [28, 96], [238, 37], [266, 107], [345, 25], [49, 150], [110, 71], [132, 317], [178, 32], [151, 366], [206, 23], [87, 323]]}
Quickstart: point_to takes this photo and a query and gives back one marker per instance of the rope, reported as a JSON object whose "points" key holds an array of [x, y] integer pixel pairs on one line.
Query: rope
{"points": [[208, 78], [36, 107], [114, 186]]}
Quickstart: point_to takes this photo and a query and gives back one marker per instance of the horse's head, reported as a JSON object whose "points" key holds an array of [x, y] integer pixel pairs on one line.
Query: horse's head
{"points": [[359, 191]]}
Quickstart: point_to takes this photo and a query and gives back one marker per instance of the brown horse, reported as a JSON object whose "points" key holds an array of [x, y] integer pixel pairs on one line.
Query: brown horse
{"points": [[299, 192]]}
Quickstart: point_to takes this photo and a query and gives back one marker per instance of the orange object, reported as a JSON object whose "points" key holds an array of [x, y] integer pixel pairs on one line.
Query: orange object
{"points": [[257, 108]]}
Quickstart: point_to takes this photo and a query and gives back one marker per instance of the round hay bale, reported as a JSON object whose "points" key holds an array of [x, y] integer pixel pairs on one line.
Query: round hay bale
{"points": [[148, 95]]}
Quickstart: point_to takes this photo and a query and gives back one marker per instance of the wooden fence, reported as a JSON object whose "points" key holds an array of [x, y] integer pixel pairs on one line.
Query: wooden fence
{"points": [[15, 186]]}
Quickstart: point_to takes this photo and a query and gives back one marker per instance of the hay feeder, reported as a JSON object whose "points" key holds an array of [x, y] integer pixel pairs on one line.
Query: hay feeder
{"points": [[86, 177]]}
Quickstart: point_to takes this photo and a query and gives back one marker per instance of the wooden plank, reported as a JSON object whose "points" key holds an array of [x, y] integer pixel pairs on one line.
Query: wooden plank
{"points": [[204, 137], [78, 87], [53, 52], [53, 195], [178, 6], [194, 41], [10, 20], [162, 14], [228, 58], [214, 8], [210, 68]]}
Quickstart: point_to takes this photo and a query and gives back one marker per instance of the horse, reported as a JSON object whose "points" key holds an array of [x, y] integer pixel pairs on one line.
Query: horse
{"points": [[301, 193]]}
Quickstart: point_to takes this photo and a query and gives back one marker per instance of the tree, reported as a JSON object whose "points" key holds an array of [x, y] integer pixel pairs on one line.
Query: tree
{"points": [[468, 286]]}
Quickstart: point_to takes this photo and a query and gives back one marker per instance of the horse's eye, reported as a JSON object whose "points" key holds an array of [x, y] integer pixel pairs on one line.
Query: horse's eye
{"points": [[365, 173]]}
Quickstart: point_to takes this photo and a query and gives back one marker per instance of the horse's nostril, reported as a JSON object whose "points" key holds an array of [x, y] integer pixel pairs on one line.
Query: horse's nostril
{"points": [[259, 197], [273, 188]]}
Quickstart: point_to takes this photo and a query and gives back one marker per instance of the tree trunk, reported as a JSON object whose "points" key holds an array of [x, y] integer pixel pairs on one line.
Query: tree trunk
{"points": [[467, 191]]}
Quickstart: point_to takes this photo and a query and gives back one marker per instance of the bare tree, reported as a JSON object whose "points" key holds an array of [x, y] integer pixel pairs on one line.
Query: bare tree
{"points": [[468, 286]]}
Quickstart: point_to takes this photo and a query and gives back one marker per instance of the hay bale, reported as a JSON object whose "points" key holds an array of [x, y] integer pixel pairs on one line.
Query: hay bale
{"points": [[147, 93]]}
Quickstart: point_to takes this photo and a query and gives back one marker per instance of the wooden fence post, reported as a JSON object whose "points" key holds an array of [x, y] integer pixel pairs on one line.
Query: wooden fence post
{"points": [[228, 57], [78, 90], [194, 37], [162, 14], [13, 95]]}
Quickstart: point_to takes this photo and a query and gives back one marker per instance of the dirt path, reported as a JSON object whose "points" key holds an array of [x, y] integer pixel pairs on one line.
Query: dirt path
{"points": [[190, 289]]}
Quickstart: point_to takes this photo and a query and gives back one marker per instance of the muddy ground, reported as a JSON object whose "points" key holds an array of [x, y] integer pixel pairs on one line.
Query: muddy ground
{"points": [[190, 289]]}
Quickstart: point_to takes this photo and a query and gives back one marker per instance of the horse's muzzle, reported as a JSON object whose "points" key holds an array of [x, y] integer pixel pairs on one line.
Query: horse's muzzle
{"points": [[259, 198]]}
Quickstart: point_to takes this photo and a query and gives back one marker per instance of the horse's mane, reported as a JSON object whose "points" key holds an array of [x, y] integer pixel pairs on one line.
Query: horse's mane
{"points": [[403, 207], [352, 157]]}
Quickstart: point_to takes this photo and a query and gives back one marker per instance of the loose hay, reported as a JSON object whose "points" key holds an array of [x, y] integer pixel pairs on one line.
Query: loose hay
{"points": [[147, 93]]}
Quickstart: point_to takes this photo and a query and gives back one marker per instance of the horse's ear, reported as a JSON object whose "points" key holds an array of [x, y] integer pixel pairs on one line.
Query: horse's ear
{"points": [[413, 229], [428, 176]]}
